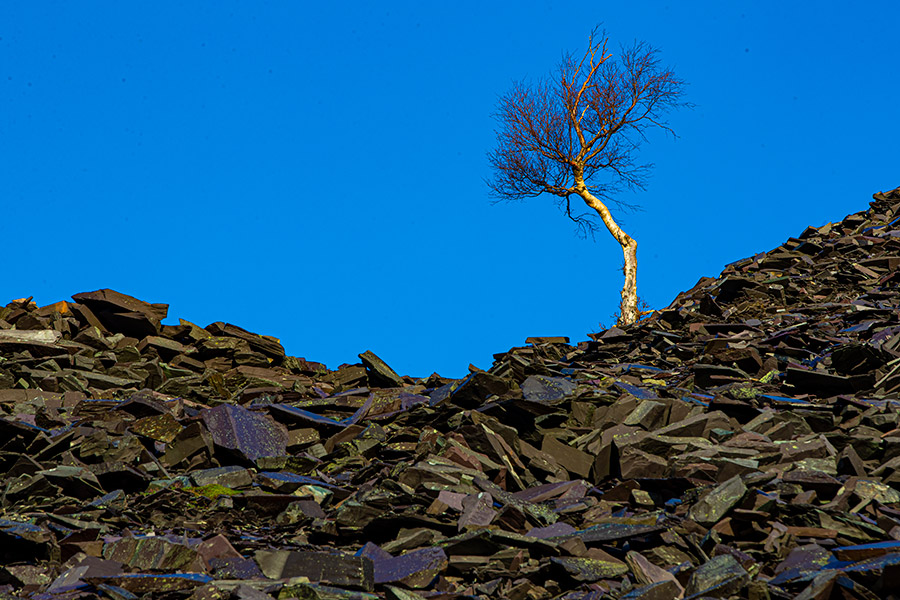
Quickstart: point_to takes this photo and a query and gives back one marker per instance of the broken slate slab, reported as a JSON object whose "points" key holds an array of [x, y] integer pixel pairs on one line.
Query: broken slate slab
{"points": [[539, 388], [589, 569], [155, 553], [250, 434], [716, 504], [378, 371], [416, 569], [336, 569]]}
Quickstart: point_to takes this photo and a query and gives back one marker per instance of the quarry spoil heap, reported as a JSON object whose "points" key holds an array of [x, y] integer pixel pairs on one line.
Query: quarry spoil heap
{"points": [[743, 442]]}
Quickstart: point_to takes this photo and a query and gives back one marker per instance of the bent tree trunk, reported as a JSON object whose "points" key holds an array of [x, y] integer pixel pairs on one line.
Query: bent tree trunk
{"points": [[628, 308]]}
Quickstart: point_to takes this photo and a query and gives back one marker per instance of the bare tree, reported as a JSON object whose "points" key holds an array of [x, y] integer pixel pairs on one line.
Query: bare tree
{"points": [[576, 134]]}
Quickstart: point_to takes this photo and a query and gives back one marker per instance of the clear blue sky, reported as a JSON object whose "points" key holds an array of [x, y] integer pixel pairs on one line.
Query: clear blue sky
{"points": [[314, 171]]}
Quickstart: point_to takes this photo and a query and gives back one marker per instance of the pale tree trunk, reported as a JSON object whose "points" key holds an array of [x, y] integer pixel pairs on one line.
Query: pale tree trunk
{"points": [[628, 309]]}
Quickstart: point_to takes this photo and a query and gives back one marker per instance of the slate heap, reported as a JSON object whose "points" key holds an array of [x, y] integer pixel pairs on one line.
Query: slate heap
{"points": [[744, 442]]}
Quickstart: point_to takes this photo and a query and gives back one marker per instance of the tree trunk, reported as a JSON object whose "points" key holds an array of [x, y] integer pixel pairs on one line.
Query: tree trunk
{"points": [[628, 308]]}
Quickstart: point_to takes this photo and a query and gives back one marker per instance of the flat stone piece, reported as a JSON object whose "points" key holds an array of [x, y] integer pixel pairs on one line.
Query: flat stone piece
{"points": [[154, 552], [548, 491], [23, 541], [810, 557], [395, 593], [250, 434], [590, 569], [102, 381], [637, 392], [335, 569], [120, 313], [41, 336], [820, 588], [378, 371], [866, 551], [553, 339], [551, 531], [247, 592], [299, 509], [572, 459], [287, 481], [147, 583], [293, 414], [648, 573], [375, 553], [807, 381], [539, 388], [478, 387], [607, 532], [166, 348], [235, 568], [716, 504], [113, 301], [190, 441], [452, 499], [89, 566], [232, 476], [878, 563], [649, 414], [415, 569], [661, 590], [162, 428], [477, 511], [77, 482], [869, 489], [144, 403], [217, 546], [265, 344], [719, 577]]}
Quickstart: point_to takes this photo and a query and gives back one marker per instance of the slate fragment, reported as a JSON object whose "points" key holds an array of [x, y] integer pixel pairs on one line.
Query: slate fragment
{"points": [[662, 590], [416, 569], [719, 577], [251, 435], [718, 501], [478, 387], [606, 532], [192, 440], [122, 313], [589, 569], [148, 583], [477, 511], [335, 569], [232, 476], [265, 344], [379, 373], [575, 461], [538, 388], [23, 540], [151, 553], [162, 428]]}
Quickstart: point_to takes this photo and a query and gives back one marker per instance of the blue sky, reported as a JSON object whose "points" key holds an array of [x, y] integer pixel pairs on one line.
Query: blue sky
{"points": [[315, 171]]}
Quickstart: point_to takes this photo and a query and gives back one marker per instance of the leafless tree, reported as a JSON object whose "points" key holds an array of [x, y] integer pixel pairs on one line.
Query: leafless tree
{"points": [[576, 134]]}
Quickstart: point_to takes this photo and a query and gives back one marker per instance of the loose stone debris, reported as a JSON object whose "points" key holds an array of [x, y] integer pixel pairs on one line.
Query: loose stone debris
{"points": [[743, 442]]}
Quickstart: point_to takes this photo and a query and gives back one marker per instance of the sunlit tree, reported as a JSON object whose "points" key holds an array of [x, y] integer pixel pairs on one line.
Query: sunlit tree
{"points": [[576, 133]]}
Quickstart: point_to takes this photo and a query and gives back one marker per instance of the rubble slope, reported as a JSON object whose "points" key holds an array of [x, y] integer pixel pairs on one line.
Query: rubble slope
{"points": [[742, 442]]}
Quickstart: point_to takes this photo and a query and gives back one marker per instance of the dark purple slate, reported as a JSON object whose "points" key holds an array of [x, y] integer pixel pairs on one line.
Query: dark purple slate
{"points": [[326, 567], [373, 552], [539, 388], [251, 434], [235, 568], [416, 569], [551, 531]]}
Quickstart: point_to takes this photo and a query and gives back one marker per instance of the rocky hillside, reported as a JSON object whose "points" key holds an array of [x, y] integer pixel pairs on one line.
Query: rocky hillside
{"points": [[743, 442]]}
